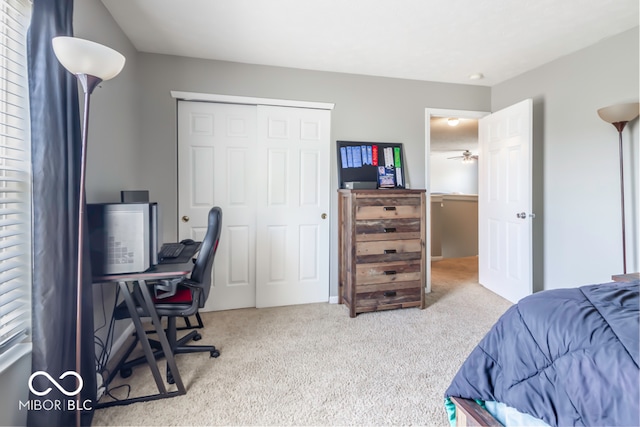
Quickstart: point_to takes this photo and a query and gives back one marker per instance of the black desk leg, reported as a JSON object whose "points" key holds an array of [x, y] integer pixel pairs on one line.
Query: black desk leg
{"points": [[166, 348], [142, 336]]}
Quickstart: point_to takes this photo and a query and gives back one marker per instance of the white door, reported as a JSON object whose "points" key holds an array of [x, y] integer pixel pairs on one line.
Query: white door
{"points": [[293, 203], [505, 201], [216, 167], [268, 169]]}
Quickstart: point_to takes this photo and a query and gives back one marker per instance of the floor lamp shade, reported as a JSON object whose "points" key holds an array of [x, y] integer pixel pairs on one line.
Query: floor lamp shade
{"points": [[619, 115], [81, 56], [91, 63]]}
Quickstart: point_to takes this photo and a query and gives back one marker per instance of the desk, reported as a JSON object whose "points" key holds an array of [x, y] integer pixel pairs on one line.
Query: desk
{"points": [[130, 284]]}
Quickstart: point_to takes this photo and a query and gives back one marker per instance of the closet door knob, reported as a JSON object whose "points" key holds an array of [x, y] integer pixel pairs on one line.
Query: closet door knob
{"points": [[185, 218]]}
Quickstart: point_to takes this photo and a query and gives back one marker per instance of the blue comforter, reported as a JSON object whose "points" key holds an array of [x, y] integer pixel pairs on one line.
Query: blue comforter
{"points": [[566, 356]]}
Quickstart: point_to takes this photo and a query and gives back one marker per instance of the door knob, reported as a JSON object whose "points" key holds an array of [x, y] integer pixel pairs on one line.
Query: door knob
{"points": [[323, 216], [185, 218], [523, 215]]}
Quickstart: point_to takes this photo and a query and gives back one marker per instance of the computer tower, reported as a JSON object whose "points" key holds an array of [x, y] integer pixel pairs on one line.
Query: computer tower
{"points": [[123, 237]]}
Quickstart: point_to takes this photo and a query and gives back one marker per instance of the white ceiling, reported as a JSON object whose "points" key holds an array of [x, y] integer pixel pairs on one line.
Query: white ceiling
{"points": [[432, 40]]}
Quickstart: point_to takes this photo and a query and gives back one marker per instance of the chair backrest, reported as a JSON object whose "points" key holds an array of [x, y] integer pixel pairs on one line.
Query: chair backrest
{"points": [[201, 272]]}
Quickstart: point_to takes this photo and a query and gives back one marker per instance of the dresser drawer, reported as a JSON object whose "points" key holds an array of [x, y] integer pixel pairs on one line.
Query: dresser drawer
{"points": [[385, 229], [388, 251], [388, 296], [386, 272], [388, 212]]}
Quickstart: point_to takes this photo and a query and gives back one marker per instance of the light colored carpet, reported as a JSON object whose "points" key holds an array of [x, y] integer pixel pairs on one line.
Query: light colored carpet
{"points": [[314, 365]]}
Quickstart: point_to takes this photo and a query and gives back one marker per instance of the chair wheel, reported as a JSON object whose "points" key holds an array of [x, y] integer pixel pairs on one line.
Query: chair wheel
{"points": [[197, 337], [126, 372], [215, 353], [170, 379]]}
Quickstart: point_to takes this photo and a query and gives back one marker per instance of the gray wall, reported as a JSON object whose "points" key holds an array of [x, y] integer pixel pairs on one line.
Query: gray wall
{"points": [[577, 193], [366, 108], [113, 153]]}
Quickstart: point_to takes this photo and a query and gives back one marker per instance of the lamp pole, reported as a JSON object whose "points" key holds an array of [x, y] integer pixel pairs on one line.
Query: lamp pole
{"points": [[88, 83], [620, 127]]}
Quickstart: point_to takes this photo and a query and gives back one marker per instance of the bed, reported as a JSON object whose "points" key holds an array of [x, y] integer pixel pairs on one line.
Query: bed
{"points": [[563, 357]]}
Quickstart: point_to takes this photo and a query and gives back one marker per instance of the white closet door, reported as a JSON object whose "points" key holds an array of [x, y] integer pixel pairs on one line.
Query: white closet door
{"points": [[217, 167], [293, 205], [268, 169]]}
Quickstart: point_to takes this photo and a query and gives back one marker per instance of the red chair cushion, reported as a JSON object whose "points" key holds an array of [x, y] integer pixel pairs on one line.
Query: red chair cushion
{"points": [[182, 295]]}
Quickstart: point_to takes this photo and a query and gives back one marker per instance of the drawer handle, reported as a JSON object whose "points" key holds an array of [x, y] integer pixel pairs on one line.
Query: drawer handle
{"points": [[389, 208], [390, 230], [390, 272], [390, 293], [390, 251]]}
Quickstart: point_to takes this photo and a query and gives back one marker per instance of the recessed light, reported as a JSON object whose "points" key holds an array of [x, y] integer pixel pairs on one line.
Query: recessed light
{"points": [[453, 121], [476, 76]]}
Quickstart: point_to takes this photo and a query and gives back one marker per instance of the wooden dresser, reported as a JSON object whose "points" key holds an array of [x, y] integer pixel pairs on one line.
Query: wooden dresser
{"points": [[381, 245]]}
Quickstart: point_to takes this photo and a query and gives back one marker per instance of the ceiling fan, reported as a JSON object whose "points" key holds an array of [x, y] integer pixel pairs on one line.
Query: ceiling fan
{"points": [[467, 157]]}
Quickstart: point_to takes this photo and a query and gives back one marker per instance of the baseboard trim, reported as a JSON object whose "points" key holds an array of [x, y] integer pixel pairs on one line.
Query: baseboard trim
{"points": [[437, 258], [333, 300]]}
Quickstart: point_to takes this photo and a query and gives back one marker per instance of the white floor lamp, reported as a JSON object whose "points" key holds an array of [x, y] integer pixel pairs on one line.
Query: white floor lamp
{"points": [[619, 115], [91, 63]]}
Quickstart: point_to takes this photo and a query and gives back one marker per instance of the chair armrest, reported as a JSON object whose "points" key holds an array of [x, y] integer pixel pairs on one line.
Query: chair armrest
{"points": [[191, 284], [166, 288]]}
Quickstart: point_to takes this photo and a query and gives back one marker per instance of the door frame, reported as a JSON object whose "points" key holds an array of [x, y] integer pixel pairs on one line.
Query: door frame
{"points": [[428, 114]]}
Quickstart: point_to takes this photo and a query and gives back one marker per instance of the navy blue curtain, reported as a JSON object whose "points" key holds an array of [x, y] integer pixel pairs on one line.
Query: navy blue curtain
{"points": [[56, 143]]}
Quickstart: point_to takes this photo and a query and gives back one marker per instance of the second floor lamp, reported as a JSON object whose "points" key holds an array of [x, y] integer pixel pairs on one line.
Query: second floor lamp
{"points": [[619, 115]]}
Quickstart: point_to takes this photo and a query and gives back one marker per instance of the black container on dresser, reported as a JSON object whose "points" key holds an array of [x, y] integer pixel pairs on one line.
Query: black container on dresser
{"points": [[381, 246]]}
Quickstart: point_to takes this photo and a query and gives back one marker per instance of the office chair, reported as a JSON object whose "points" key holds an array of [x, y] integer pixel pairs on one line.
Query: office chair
{"points": [[181, 297]]}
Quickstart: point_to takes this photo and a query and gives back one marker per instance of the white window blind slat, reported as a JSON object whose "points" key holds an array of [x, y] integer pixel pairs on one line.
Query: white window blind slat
{"points": [[15, 177], [11, 233], [12, 306]]}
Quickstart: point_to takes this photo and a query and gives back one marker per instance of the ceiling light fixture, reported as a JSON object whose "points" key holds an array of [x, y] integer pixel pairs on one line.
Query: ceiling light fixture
{"points": [[453, 121], [476, 76], [467, 157]]}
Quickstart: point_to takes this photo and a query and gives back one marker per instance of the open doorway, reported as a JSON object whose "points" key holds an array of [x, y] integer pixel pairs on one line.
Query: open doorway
{"points": [[451, 159], [454, 187]]}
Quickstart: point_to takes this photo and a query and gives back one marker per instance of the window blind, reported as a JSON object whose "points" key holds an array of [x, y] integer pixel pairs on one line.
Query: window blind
{"points": [[15, 177]]}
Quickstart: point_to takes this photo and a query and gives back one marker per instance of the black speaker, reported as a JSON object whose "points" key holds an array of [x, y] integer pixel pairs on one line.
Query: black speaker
{"points": [[134, 196]]}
